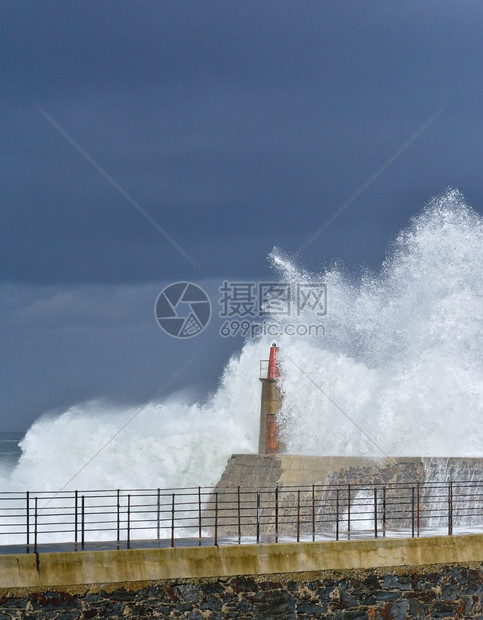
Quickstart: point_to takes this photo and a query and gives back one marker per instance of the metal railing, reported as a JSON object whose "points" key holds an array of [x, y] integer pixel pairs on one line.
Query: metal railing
{"points": [[263, 369], [39, 521]]}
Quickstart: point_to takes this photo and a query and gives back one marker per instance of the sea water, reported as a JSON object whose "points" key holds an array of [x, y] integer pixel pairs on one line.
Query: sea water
{"points": [[398, 371], [9, 449]]}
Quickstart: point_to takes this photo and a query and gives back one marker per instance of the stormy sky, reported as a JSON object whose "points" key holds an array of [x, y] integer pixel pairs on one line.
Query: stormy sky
{"points": [[143, 139]]}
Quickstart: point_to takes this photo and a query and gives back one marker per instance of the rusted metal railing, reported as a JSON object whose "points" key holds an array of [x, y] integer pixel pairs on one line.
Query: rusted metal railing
{"points": [[39, 521]]}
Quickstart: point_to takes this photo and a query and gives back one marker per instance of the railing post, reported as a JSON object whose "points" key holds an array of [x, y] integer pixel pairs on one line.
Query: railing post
{"points": [[298, 515], [258, 517], [450, 508], [158, 514], [375, 512], [35, 526], [276, 514], [348, 512], [418, 522], [199, 516], [28, 521], [412, 512], [216, 520], [82, 522], [118, 495], [337, 514], [129, 521], [239, 513], [384, 511], [76, 518], [172, 519], [313, 512]]}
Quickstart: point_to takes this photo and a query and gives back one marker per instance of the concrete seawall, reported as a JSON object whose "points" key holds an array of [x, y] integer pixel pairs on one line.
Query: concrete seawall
{"points": [[401, 481], [109, 567], [270, 470], [367, 580]]}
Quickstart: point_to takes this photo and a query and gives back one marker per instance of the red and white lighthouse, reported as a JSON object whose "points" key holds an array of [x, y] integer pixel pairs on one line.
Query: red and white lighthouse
{"points": [[269, 439]]}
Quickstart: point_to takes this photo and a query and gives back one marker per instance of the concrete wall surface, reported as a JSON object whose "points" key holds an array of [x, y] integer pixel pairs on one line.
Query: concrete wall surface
{"points": [[269, 470], [136, 565]]}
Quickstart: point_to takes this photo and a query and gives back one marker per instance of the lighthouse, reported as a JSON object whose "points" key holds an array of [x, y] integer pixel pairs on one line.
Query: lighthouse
{"points": [[271, 400]]}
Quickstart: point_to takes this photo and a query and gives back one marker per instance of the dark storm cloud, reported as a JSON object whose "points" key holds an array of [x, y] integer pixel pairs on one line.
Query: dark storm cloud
{"points": [[238, 127], [221, 120]]}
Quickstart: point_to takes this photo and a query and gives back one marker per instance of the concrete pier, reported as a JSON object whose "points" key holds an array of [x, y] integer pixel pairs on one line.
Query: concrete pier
{"points": [[262, 470]]}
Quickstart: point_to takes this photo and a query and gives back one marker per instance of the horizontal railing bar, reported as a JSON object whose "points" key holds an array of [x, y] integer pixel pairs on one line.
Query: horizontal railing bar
{"points": [[287, 488]]}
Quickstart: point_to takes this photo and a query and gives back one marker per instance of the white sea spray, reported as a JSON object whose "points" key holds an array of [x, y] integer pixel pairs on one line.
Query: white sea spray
{"points": [[400, 362]]}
